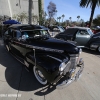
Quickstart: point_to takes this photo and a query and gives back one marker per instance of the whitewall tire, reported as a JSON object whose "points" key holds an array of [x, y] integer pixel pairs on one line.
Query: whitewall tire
{"points": [[39, 76]]}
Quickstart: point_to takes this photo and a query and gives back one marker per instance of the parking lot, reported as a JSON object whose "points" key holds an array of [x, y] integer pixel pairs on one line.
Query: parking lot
{"points": [[18, 84]]}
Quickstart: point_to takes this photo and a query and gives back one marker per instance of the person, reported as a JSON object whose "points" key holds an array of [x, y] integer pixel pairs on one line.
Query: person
{"points": [[67, 26]]}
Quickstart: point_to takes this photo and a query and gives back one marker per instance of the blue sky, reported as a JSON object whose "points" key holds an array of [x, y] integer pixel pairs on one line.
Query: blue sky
{"points": [[71, 8]]}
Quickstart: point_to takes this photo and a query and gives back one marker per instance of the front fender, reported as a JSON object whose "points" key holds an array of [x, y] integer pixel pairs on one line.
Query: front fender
{"points": [[47, 63], [95, 45]]}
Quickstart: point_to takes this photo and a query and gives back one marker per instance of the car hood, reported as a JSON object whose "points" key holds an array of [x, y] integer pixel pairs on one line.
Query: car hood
{"points": [[55, 45]]}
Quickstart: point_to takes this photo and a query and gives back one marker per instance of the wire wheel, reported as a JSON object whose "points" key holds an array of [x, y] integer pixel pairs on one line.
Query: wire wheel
{"points": [[39, 76]]}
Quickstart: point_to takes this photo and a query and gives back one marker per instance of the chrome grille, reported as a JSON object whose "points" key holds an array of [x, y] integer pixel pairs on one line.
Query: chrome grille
{"points": [[67, 68], [73, 62]]}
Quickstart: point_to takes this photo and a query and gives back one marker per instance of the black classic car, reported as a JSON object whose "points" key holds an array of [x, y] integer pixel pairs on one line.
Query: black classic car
{"points": [[82, 36], [52, 61]]}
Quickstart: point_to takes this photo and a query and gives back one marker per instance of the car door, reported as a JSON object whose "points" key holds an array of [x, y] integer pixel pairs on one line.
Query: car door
{"points": [[82, 37], [8, 37], [20, 43], [14, 43]]}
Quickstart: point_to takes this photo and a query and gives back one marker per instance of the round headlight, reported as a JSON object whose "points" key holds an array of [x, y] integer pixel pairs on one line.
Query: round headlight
{"points": [[62, 66]]}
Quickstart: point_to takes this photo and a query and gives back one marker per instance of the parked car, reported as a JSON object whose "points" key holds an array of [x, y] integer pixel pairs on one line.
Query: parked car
{"points": [[95, 30], [83, 37], [55, 29], [52, 60]]}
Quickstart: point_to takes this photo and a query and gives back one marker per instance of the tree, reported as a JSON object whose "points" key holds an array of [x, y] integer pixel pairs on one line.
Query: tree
{"points": [[51, 10], [21, 17], [63, 17], [78, 17], [59, 19], [30, 11], [96, 21], [35, 19], [93, 4], [70, 18], [40, 11]]}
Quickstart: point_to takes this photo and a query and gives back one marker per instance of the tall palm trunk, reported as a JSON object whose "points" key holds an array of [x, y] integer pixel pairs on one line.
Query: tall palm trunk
{"points": [[92, 13], [62, 19], [30, 11]]}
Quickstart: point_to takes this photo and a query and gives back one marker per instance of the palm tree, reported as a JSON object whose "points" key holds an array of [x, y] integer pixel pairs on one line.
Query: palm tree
{"points": [[59, 19], [81, 20], [78, 17], [93, 4], [70, 18], [63, 17]]}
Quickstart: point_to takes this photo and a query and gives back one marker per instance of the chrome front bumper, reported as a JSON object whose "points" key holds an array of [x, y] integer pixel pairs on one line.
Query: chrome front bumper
{"points": [[77, 75]]}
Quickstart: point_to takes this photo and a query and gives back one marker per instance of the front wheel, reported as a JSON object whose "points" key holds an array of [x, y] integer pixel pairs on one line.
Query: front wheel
{"points": [[99, 49], [39, 76]]}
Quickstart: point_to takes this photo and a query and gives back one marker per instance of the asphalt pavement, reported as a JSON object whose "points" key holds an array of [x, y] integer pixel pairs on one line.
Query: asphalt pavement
{"points": [[18, 84]]}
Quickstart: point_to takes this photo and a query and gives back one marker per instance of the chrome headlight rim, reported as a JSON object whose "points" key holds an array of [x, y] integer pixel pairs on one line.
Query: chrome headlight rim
{"points": [[80, 51], [62, 66]]}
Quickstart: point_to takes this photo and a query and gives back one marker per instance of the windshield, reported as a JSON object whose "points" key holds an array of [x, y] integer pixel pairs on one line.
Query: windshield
{"points": [[90, 32], [61, 29], [36, 33]]}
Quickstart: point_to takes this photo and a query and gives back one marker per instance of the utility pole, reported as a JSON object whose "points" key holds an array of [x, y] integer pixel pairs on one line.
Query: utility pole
{"points": [[30, 11]]}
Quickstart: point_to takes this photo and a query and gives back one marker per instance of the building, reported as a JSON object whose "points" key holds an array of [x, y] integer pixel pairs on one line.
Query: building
{"points": [[13, 7]]}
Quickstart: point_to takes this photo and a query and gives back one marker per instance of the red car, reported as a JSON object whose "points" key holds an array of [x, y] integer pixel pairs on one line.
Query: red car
{"points": [[95, 31]]}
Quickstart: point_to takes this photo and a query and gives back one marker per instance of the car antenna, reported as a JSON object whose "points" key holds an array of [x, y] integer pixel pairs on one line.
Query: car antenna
{"points": [[34, 57]]}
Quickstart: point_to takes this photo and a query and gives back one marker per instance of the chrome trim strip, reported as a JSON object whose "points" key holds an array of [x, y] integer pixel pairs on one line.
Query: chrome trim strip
{"points": [[54, 58], [17, 58]]}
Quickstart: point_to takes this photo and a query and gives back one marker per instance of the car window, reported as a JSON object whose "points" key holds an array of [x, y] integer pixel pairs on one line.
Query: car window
{"points": [[14, 34], [90, 32], [6, 32], [44, 32], [61, 29], [18, 34], [31, 33], [25, 34], [36, 32], [70, 31], [56, 30], [82, 32], [9, 32]]}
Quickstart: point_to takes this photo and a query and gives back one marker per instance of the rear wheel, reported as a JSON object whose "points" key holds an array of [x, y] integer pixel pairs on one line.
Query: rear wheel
{"points": [[39, 76]]}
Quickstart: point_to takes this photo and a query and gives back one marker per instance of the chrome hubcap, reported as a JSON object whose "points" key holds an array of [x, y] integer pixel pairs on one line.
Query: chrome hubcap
{"points": [[39, 76]]}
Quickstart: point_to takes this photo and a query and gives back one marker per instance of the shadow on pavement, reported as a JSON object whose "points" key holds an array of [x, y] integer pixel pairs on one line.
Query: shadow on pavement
{"points": [[17, 77], [45, 90], [91, 51]]}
